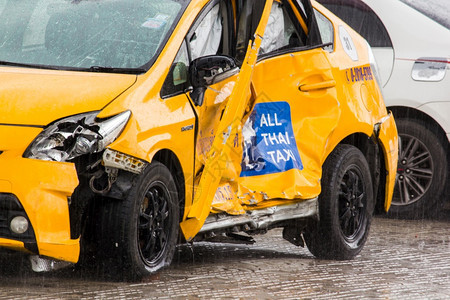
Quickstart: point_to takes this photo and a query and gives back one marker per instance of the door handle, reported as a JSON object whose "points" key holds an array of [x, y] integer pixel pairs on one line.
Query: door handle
{"points": [[317, 86]]}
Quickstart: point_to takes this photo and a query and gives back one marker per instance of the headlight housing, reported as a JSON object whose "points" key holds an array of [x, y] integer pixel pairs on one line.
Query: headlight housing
{"points": [[76, 135]]}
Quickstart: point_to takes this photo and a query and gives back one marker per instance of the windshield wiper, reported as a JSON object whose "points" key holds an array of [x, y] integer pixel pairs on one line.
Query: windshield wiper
{"points": [[102, 69], [16, 64], [99, 69]]}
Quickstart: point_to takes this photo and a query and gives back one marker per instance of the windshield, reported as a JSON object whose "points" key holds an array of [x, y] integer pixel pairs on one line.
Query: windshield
{"points": [[438, 10], [77, 34]]}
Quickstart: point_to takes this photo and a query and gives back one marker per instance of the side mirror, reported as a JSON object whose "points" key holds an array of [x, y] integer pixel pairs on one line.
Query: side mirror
{"points": [[208, 70]]}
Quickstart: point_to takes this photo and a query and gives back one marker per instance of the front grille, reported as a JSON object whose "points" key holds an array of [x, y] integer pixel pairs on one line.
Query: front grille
{"points": [[10, 207], [3, 222]]}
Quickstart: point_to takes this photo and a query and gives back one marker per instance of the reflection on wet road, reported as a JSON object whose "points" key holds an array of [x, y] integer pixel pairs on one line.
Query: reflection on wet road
{"points": [[402, 259]]}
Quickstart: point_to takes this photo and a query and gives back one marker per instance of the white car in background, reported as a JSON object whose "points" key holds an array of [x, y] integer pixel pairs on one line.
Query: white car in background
{"points": [[413, 55]]}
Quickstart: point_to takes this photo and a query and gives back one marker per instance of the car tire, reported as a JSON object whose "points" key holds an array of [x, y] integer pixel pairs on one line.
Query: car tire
{"points": [[346, 205], [138, 235], [421, 173]]}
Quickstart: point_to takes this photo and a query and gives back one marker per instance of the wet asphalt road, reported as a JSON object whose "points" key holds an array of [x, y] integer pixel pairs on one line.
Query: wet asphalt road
{"points": [[402, 260]]}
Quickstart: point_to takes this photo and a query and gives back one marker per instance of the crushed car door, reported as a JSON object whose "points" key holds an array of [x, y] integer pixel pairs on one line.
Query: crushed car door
{"points": [[286, 135], [220, 108]]}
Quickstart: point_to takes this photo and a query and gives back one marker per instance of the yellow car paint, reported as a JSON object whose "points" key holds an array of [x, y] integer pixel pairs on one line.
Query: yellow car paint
{"points": [[83, 92], [44, 194], [13, 245], [222, 145], [389, 139], [330, 96]]}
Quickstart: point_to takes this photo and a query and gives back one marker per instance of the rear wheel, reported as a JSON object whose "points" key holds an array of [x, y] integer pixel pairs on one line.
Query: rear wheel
{"points": [[421, 173], [345, 206], [139, 234]]}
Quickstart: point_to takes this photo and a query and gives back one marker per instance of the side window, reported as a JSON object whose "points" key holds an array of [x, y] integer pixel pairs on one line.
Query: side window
{"points": [[212, 34], [361, 18], [281, 32], [302, 7], [326, 29], [292, 24], [209, 35], [177, 80], [248, 15]]}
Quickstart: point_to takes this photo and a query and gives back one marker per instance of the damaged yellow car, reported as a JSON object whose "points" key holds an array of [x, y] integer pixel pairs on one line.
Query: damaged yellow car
{"points": [[130, 126]]}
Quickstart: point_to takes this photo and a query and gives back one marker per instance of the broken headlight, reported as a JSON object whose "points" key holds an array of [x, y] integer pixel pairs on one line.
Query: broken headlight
{"points": [[75, 136]]}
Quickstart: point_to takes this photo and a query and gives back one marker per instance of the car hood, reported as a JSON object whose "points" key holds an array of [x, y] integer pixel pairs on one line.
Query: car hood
{"points": [[39, 97]]}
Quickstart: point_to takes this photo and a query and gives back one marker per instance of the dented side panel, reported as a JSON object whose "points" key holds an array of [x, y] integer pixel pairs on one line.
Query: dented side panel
{"points": [[287, 133], [223, 143], [292, 126]]}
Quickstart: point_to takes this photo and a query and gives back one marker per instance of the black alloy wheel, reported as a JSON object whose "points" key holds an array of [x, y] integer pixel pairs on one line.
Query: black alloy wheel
{"points": [[346, 205], [154, 223], [352, 204], [137, 235]]}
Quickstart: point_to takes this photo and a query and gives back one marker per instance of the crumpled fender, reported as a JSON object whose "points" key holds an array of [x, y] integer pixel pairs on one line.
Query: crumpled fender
{"points": [[387, 135]]}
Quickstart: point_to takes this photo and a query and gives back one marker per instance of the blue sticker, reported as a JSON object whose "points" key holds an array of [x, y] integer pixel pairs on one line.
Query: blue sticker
{"points": [[156, 22], [269, 141]]}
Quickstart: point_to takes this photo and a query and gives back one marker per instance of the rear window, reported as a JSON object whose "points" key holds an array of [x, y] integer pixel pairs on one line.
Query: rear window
{"points": [[362, 19], [436, 10]]}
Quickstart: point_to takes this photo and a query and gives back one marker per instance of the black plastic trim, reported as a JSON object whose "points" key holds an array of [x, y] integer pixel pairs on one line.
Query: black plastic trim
{"points": [[11, 207]]}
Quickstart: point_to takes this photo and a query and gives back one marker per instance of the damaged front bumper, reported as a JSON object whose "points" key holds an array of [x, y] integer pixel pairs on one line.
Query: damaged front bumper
{"points": [[37, 183], [39, 193]]}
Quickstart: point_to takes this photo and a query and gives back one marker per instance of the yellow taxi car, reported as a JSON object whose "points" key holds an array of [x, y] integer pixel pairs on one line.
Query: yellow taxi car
{"points": [[129, 126]]}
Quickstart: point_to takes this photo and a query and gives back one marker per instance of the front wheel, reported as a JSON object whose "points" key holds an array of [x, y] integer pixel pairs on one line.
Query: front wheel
{"points": [[139, 233], [345, 206]]}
